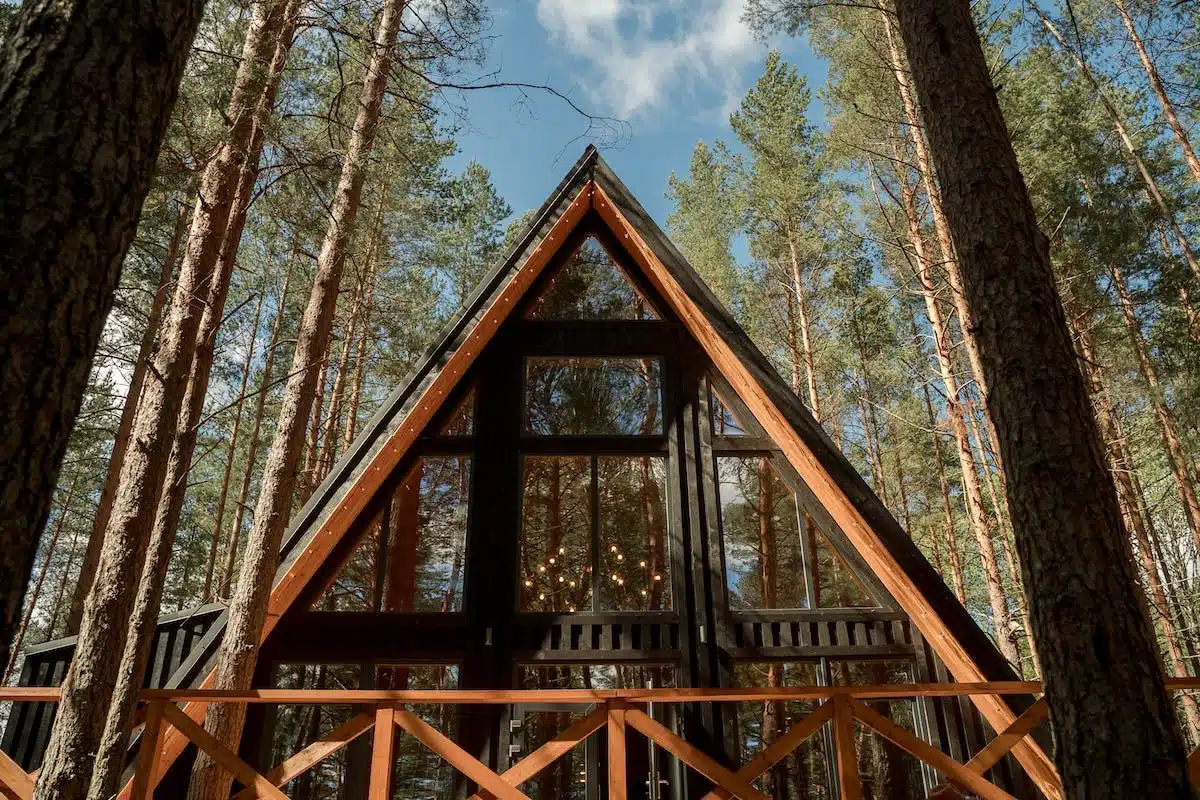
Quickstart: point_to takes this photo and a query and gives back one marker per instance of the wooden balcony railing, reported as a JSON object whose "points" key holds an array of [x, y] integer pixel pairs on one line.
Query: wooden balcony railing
{"points": [[616, 710]]}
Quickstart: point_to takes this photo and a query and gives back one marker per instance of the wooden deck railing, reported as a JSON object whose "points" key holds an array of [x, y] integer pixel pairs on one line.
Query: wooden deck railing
{"points": [[616, 710]]}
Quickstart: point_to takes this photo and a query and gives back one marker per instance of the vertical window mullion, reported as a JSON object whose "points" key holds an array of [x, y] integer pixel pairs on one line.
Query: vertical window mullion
{"points": [[595, 500]]}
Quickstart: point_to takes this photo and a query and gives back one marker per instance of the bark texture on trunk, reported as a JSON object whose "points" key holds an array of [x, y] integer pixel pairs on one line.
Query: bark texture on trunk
{"points": [[230, 452], [980, 522], [110, 759], [91, 556], [1097, 656], [248, 606], [86, 90], [108, 613]]}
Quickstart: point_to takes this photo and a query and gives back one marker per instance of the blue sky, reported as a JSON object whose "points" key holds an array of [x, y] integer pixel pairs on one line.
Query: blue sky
{"points": [[670, 70]]}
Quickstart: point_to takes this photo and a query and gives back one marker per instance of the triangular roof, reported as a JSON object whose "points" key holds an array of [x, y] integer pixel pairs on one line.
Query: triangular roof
{"points": [[877, 538]]}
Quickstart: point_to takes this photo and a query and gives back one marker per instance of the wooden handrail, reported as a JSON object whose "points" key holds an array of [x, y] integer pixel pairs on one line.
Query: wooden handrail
{"points": [[616, 710], [896, 691]]}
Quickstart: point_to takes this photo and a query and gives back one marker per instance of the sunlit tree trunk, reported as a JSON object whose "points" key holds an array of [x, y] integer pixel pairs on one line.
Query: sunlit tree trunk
{"points": [[1167, 428], [137, 378], [259, 411], [364, 336], [972, 489], [1092, 635], [110, 758], [230, 452], [1160, 91], [248, 606], [94, 673], [956, 571], [810, 361]]}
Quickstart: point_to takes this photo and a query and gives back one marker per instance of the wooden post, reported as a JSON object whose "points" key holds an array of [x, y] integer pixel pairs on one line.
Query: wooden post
{"points": [[847, 755], [381, 754], [148, 753], [617, 772]]}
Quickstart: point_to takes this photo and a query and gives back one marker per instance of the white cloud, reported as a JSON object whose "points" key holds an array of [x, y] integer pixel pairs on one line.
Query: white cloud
{"points": [[644, 55]]}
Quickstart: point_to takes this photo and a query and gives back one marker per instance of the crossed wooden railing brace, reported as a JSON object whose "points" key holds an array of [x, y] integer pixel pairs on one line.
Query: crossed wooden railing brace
{"points": [[615, 711]]}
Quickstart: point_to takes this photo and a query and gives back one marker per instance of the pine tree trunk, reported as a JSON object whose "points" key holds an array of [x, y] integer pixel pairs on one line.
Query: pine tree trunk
{"points": [[248, 607], [32, 601], [259, 410], [231, 451], [1121, 467], [956, 571], [330, 437], [1167, 428], [810, 361], [308, 473], [871, 431], [1151, 184], [1160, 92], [360, 357], [91, 556], [793, 343], [107, 614], [1097, 656], [110, 758], [61, 593], [86, 90], [972, 489], [1185, 294]]}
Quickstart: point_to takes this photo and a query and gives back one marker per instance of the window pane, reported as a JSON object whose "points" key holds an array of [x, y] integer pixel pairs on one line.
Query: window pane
{"points": [[764, 567], [634, 556], [724, 422], [885, 769], [803, 774], [556, 534], [592, 396], [590, 286], [462, 421], [427, 537], [837, 585]]}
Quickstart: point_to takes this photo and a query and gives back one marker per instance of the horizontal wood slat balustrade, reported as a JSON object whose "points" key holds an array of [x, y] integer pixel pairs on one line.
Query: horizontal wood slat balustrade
{"points": [[616, 711]]}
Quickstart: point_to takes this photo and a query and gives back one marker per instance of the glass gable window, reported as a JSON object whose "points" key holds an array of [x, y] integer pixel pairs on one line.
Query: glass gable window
{"points": [[724, 421], [593, 396], [556, 534], [764, 563], [573, 561], [633, 534], [416, 547], [837, 585], [462, 421], [590, 285]]}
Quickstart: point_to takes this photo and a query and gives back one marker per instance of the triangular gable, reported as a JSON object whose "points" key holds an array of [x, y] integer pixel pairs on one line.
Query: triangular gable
{"points": [[853, 518]]}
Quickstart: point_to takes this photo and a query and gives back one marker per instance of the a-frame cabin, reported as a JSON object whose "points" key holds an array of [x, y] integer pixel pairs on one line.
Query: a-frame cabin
{"points": [[595, 480]]}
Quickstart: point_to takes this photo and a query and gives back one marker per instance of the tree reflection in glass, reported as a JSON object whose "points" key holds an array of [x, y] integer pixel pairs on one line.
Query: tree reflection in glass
{"points": [[592, 396]]}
